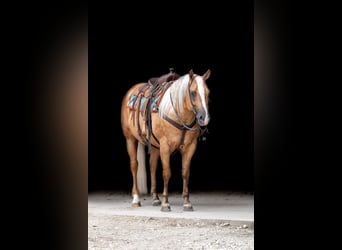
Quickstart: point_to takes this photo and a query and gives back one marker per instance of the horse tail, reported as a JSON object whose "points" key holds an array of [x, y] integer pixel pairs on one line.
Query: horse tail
{"points": [[141, 176]]}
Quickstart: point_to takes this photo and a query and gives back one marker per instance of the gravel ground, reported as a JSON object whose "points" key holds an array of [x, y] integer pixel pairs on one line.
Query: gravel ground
{"points": [[139, 232]]}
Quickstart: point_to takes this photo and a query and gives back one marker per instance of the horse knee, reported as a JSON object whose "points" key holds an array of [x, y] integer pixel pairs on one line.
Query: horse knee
{"points": [[185, 174], [166, 175]]}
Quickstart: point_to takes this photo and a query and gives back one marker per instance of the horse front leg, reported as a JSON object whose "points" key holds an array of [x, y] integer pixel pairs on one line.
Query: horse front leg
{"points": [[154, 156], [165, 159], [187, 154]]}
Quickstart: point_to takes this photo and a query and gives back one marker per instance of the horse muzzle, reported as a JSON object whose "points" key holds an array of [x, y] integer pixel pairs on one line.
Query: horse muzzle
{"points": [[202, 118]]}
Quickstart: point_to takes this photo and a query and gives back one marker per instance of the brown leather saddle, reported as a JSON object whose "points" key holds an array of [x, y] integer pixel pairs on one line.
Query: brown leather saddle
{"points": [[171, 76], [147, 100]]}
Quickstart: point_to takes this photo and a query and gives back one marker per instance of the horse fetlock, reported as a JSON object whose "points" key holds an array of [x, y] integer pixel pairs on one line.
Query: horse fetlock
{"points": [[155, 196], [136, 201], [165, 198], [186, 196]]}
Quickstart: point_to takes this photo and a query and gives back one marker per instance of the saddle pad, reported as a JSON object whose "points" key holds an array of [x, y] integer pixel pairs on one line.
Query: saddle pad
{"points": [[132, 103]]}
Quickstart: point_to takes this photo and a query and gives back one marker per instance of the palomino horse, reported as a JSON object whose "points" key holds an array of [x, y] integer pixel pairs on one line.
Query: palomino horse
{"points": [[166, 114]]}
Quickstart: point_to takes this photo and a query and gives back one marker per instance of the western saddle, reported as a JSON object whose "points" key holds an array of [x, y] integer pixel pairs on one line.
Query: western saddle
{"points": [[148, 99]]}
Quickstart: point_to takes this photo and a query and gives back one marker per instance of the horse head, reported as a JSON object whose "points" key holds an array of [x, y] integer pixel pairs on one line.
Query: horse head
{"points": [[199, 96]]}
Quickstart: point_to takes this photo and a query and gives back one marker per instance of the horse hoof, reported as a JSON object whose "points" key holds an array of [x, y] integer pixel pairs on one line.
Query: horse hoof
{"points": [[156, 203], [188, 208], [165, 208], [136, 204]]}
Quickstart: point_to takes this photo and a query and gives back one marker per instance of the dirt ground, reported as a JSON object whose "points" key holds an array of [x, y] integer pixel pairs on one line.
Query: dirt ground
{"points": [[133, 232], [119, 231]]}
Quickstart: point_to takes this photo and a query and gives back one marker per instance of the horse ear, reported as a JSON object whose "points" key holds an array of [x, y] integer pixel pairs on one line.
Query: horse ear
{"points": [[191, 73], [206, 74]]}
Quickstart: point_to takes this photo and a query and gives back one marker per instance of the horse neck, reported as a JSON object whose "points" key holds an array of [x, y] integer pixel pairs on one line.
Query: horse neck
{"points": [[187, 116], [170, 105]]}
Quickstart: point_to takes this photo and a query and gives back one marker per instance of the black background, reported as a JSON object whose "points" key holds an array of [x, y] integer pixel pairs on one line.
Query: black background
{"points": [[136, 46]]}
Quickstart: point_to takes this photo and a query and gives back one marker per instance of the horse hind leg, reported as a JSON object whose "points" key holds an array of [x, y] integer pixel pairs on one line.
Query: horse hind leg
{"points": [[154, 156], [132, 146]]}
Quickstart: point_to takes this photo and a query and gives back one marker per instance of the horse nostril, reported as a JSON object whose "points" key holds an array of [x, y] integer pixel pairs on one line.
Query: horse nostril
{"points": [[201, 117]]}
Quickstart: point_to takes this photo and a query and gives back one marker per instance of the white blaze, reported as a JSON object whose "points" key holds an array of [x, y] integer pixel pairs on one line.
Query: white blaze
{"points": [[200, 86]]}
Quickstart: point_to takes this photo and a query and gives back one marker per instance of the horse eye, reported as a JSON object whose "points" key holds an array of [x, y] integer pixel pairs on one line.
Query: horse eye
{"points": [[193, 94]]}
